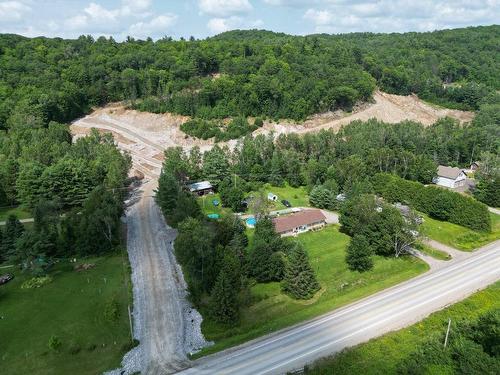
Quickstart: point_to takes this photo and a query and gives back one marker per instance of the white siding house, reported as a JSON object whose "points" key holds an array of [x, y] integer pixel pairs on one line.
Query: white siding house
{"points": [[450, 177]]}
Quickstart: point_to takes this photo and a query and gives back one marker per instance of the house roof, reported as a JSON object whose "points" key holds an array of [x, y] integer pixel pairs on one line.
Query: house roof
{"points": [[289, 222], [202, 185], [449, 172]]}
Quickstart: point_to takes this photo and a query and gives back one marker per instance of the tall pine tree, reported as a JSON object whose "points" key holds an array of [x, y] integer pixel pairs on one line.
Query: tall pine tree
{"points": [[224, 304], [300, 281], [13, 230]]}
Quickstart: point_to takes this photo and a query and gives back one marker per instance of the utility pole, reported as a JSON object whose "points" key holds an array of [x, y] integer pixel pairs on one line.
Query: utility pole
{"points": [[447, 333]]}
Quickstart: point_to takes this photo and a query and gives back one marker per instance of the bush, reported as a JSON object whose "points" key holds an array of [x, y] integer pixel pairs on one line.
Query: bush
{"points": [[112, 310], [436, 202], [199, 128], [258, 122], [36, 282], [55, 343]]}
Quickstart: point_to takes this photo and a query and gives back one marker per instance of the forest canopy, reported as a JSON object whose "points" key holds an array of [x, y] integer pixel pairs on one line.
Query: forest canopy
{"points": [[244, 73]]}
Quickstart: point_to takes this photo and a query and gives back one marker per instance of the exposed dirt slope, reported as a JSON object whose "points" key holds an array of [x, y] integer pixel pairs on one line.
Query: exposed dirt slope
{"points": [[386, 107]]}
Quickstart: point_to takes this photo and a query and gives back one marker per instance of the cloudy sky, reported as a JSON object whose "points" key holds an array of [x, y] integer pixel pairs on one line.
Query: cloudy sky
{"points": [[202, 18]]}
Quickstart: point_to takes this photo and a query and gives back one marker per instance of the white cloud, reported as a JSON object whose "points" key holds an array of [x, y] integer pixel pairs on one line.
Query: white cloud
{"points": [[218, 25], [224, 8], [339, 16], [11, 11], [156, 26]]}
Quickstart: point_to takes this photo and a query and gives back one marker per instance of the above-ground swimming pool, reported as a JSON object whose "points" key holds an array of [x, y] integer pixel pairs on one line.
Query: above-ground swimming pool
{"points": [[251, 221]]}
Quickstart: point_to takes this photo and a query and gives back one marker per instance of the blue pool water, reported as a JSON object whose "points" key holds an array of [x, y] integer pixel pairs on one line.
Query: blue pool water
{"points": [[251, 221]]}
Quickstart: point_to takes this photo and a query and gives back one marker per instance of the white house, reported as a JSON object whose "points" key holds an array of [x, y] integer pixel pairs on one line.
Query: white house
{"points": [[450, 177]]}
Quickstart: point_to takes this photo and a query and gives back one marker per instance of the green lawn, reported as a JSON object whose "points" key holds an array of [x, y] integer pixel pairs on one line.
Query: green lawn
{"points": [[297, 197], [382, 355], [208, 207], [460, 237], [19, 212], [72, 308], [271, 310], [435, 253]]}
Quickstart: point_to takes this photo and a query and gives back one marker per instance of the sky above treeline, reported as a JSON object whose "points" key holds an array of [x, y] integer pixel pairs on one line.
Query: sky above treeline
{"points": [[204, 18]]}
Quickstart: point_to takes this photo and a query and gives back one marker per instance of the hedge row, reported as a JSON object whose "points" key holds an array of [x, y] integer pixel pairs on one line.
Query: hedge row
{"points": [[438, 203]]}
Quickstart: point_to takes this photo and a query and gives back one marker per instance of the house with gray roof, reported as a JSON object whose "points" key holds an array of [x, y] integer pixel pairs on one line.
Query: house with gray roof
{"points": [[450, 177], [201, 188]]}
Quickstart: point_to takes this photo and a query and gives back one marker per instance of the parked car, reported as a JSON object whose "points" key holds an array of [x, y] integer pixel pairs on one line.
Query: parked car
{"points": [[286, 203], [4, 279]]}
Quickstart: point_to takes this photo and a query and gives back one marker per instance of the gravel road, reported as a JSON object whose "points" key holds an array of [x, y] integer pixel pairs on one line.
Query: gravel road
{"points": [[164, 322]]}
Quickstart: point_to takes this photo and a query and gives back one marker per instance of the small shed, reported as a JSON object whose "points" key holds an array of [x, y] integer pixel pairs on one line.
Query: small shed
{"points": [[201, 188], [272, 197], [475, 165]]}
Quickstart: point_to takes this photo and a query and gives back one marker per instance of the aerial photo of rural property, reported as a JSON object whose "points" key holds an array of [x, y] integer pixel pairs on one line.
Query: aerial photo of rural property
{"points": [[249, 187]]}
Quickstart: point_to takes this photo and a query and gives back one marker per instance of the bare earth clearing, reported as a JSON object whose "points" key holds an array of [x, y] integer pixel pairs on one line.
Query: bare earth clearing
{"points": [[167, 327], [146, 135]]}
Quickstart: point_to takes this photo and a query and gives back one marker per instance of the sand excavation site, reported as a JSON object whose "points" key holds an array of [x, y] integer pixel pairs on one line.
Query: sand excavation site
{"points": [[146, 135]]}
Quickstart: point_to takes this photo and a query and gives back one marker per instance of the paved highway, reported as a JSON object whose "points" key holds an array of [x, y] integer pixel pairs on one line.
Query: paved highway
{"points": [[380, 313]]}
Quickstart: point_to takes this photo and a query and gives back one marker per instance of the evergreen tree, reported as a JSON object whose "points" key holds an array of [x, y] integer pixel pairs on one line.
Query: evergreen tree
{"points": [[224, 304], [300, 281], [359, 254], [266, 260], [322, 197], [12, 231]]}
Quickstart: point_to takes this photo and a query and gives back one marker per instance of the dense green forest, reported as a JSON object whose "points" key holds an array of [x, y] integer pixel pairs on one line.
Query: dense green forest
{"points": [[244, 72]]}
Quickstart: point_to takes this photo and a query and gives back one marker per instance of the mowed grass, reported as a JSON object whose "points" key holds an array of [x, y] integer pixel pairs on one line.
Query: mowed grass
{"points": [[72, 308], [271, 310], [460, 237], [20, 213], [297, 197], [207, 206], [435, 253], [382, 355]]}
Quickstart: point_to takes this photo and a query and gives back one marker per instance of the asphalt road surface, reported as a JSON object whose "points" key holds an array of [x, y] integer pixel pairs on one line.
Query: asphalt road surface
{"points": [[380, 313]]}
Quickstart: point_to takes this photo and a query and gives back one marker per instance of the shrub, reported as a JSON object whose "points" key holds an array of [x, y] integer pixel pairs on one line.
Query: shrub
{"points": [[36, 282], [112, 310], [258, 122], [55, 343], [436, 202]]}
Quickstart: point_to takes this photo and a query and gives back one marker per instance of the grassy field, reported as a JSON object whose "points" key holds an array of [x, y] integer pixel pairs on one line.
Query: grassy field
{"points": [[72, 308], [460, 237], [5, 212], [271, 310], [381, 355], [435, 253]]}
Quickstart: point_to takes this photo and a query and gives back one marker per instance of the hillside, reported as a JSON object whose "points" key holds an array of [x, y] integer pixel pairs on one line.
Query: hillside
{"points": [[261, 73]]}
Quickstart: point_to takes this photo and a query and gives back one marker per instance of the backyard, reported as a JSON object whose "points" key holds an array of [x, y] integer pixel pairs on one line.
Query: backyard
{"points": [[270, 310], [460, 237], [86, 311]]}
